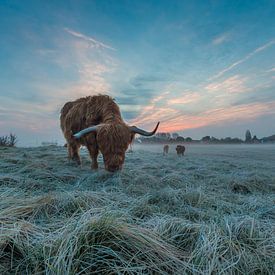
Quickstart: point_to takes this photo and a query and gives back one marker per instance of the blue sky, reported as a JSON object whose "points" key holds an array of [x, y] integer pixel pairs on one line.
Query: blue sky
{"points": [[200, 67]]}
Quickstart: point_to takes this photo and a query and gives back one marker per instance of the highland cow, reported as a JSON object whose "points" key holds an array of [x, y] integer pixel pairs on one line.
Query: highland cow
{"points": [[180, 150], [165, 149], [96, 122]]}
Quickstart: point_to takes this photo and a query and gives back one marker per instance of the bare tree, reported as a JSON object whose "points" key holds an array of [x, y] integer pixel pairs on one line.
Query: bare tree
{"points": [[4, 141], [248, 136], [12, 140], [8, 141]]}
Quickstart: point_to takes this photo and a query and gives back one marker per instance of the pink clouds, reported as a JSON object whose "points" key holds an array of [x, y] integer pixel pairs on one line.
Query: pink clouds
{"points": [[217, 116], [175, 120], [186, 98], [232, 85]]}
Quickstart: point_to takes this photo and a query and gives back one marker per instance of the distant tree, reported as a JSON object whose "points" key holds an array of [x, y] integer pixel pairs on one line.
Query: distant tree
{"points": [[270, 139], [175, 135], [163, 135], [12, 140], [214, 140], [236, 140], [206, 139], [180, 139], [4, 141], [248, 136], [188, 139], [9, 141], [158, 135], [228, 140], [255, 139]]}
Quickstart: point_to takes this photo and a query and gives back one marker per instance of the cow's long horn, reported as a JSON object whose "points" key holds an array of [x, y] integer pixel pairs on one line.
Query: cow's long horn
{"points": [[86, 131], [136, 130]]}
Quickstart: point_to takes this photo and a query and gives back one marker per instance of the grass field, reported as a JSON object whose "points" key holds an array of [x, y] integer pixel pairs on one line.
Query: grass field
{"points": [[210, 212]]}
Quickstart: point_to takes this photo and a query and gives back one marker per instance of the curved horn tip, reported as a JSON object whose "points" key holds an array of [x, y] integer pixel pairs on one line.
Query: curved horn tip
{"points": [[144, 133], [156, 126]]}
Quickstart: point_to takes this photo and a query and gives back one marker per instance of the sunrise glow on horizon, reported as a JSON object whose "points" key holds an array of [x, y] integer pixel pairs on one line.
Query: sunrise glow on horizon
{"points": [[202, 67]]}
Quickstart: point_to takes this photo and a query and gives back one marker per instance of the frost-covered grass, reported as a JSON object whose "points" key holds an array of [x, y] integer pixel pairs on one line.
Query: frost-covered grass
{"points": [[212, 211]]}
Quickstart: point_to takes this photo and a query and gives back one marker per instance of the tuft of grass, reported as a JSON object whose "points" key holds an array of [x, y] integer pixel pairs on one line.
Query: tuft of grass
{"points": [[103, 245], [157, 216]]}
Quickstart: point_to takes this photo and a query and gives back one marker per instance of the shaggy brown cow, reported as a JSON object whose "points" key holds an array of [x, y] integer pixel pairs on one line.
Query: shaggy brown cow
{"points": [[180, 150], [165, 149], [96, 122]]}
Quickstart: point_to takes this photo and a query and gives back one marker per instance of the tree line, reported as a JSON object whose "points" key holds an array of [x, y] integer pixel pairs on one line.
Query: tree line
{"points": [[176, 138]]}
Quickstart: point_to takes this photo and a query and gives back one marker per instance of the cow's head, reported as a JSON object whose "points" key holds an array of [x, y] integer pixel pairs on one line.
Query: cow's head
{"points": [[113, 141]]}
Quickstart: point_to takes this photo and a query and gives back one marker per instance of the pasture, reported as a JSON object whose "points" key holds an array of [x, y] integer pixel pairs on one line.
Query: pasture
{"points": [[209, 212]]}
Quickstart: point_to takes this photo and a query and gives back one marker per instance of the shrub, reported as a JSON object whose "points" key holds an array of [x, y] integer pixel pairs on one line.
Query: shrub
{"points": [[8, 141]]}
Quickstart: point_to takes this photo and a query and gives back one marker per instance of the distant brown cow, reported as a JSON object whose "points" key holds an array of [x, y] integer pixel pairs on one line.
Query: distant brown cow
{"points": [[165, 149], [96, 122], [180, 150]]}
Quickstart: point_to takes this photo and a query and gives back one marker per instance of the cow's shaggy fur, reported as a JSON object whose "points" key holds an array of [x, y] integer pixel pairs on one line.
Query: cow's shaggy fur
{"points": [[112, 137]]}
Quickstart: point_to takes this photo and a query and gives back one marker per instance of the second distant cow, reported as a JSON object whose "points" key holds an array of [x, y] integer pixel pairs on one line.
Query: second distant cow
{"points": [[180, 150], [165, 149]]}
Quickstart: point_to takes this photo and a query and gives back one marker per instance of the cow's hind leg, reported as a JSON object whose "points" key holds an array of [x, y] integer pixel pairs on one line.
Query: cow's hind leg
{"points": [[91, 144], [93, 151], [73, 152]]}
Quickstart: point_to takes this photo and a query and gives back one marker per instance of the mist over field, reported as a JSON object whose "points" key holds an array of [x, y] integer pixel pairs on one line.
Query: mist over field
{"points": [[209, 212]]}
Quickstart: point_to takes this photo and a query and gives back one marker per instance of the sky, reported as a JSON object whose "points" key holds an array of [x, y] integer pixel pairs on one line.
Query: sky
{"points": [[198, 67]]}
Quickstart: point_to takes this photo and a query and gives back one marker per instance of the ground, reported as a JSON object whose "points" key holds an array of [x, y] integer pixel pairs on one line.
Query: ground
{"points": [[211, 211]]}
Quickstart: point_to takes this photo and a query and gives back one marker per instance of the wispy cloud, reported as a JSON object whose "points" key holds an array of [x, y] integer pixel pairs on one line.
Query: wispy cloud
{"points": [[184, 99], [221, 39], [153, 111], [232, 85], [271, 70], [27, 116], [88, 66], [93, 42], [247, 57], [93, 64]]}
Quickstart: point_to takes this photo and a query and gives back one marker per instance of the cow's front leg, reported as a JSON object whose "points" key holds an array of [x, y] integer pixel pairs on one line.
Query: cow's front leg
{"points": [[93, 151]]}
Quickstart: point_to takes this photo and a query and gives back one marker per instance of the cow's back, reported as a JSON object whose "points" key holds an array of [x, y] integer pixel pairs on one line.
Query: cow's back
{"points": [[87, 111]]}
